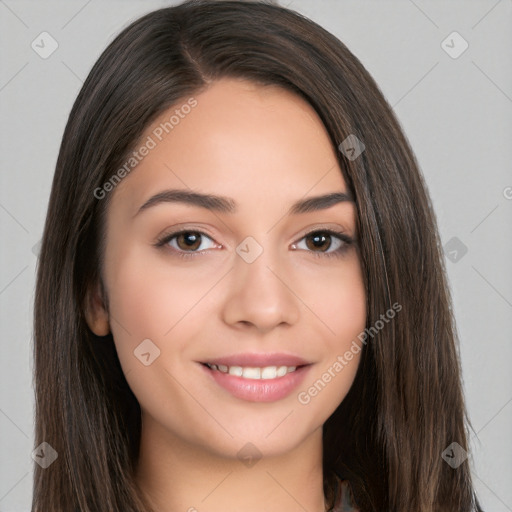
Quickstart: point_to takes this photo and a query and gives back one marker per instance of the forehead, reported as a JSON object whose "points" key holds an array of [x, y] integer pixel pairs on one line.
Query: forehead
{"points": [[238, 139]]}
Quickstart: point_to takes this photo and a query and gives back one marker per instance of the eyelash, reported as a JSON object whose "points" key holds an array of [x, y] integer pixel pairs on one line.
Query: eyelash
{"points": [[347, 242]]}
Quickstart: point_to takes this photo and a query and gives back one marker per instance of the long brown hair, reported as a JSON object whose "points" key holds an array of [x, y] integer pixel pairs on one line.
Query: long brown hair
{"points": [[406, 404]]}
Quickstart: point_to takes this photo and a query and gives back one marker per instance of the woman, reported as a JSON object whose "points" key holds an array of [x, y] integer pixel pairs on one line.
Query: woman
{"points": [[241, 299]]}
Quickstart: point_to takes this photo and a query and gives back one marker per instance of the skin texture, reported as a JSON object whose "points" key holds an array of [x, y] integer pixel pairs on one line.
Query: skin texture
{"points": [[265, 148]]}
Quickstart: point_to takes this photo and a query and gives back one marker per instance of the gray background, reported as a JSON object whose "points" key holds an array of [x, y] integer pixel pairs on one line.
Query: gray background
{"points": [[456, 113]]}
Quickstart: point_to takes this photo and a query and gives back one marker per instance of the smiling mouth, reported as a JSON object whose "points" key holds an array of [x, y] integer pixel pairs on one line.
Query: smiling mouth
{"points": [[258, 377], [254, 373]]}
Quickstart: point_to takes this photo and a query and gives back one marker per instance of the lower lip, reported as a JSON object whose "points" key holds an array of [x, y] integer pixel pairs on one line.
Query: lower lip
{"points": [[259, 390]]}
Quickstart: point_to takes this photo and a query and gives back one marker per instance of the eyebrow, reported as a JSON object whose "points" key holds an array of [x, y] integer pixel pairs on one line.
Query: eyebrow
{"points": [[227, 205]]}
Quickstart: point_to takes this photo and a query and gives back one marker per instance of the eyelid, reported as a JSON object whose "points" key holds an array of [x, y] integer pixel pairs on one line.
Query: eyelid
{"points": [[335, 229]]}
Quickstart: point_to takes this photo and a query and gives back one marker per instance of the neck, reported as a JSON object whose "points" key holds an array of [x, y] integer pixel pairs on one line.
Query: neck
{"points": [[176, 476]]}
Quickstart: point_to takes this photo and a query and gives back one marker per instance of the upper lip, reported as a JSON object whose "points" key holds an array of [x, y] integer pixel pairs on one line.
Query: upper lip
{"points": [[258, 360]]}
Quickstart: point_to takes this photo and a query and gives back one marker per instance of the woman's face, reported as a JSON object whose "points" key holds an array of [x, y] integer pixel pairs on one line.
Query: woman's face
{"points": [[251, 284]]}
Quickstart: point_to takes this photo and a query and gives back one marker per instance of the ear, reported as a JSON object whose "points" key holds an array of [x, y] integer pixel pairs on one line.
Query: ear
{"points": [[96, 311]]}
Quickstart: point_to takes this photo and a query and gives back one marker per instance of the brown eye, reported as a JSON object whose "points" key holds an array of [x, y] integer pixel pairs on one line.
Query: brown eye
{"points": [[188, 240], [325, 243], [318, 240]]}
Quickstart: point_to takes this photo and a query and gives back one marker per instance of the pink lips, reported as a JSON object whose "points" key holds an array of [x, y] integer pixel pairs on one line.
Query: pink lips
{"points": [[259, 360], [258, 390]]}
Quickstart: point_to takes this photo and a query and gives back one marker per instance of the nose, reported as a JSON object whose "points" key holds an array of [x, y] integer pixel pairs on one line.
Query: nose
{"points": [[260, 295]]}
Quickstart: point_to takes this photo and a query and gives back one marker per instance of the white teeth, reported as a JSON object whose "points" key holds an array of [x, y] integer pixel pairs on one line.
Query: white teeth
{"points": [[269, 372], [255, 373], [282, 370], [235, 370], [251, 373]]}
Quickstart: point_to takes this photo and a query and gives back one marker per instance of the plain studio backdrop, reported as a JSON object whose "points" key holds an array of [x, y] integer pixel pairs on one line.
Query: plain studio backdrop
{"points": [[445, 68]]}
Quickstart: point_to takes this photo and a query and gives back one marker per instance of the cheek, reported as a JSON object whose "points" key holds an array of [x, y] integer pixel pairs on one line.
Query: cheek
{"points": [[338, 299], [160, 301], [150, 298], [157, 302], [345, 308]]}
